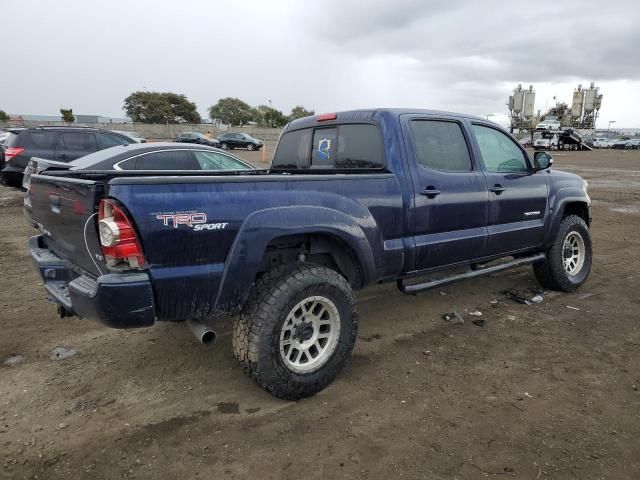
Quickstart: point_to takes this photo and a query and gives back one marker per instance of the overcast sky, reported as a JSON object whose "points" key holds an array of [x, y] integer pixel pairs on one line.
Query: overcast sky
{"points": [[327, 55]]}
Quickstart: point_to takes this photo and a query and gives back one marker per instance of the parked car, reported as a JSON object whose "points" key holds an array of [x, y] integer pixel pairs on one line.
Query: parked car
{"points": [[620, 143], [438, 198], [547, 141], [600, 142], [548, 124], [633, 143], [136, 137], [151, 157], [62, 144], [199, 138], [239, 140]]}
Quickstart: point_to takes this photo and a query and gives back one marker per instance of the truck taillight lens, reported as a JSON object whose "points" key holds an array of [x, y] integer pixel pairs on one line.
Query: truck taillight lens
{"points": [[11, 152], [120, 245]]}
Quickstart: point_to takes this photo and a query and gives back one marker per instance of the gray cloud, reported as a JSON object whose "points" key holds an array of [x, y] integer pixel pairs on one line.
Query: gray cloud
{"points": [[328, 55]]}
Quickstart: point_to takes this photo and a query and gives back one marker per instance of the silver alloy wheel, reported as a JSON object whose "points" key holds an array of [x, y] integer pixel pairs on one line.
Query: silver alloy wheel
{"points": [[573, 253], [251, 147], [310, 334], [225, 146]]}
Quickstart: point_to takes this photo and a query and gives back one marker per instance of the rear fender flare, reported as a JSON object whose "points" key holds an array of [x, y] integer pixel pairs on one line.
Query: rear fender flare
{"points": [[261, 227]]}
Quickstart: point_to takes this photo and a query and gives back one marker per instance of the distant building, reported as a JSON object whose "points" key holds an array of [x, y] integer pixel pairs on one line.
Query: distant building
{"points": [[79, 119]]}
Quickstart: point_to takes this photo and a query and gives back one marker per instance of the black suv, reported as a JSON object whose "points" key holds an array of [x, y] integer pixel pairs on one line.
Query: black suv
{"points": [[63, 144], [195, 137], [239, 140]]}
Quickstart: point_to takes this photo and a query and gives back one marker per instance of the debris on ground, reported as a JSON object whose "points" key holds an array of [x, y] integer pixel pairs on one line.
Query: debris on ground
{"points": [[494, 303], [476, 313], [444, 294], [537, 299], [479, 322], [14, 360], [60, 353], [516, 297], [511, 317], [453, 317], [573, 308]]}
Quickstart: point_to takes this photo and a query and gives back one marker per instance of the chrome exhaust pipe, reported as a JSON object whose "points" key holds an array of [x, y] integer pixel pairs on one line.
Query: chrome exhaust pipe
{"points": [[204, 334]]}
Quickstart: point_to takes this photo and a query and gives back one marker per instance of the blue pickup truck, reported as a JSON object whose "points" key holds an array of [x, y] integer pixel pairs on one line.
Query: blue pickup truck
{"points": [[421, 198]]}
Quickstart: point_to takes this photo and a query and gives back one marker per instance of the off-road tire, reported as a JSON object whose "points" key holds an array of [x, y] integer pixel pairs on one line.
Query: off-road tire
{"points": [[551, 273], [256, 331]]}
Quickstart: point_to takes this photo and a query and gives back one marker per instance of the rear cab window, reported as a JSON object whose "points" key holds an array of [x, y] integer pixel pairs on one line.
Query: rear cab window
{"points": [[335, 147]]}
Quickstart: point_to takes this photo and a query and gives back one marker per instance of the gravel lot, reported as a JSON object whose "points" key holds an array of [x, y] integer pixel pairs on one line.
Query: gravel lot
{"points": [[540, 391]]}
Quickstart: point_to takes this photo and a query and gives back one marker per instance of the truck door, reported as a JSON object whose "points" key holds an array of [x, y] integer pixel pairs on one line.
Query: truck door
{"points": [[518, 195], [451, 202]]}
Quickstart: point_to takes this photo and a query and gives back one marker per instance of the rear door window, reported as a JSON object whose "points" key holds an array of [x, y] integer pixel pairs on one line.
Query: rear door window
{"points": [[169, 160], [440, 145], [43, 140], [127, 164], [77, 141], [218, 161]]}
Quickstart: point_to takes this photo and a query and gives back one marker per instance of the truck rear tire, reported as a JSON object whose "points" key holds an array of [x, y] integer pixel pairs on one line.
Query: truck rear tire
{"points": [[568, 261], [297, 330]]}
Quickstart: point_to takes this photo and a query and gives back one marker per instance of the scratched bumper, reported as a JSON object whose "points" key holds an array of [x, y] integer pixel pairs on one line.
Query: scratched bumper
{"points": [[122, 300]]}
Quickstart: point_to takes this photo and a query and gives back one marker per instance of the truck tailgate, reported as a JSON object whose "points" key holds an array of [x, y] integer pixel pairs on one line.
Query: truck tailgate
{"points": [[65, 209]]}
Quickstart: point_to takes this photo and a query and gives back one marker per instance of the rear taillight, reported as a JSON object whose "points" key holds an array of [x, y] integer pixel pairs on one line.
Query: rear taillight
{"points": [[11, 152], [120, 245]]}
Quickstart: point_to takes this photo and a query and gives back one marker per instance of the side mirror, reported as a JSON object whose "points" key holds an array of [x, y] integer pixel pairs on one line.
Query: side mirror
{"points": [[542, 160]]}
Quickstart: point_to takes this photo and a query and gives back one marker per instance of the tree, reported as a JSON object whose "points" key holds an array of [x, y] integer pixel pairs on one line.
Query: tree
{"points": [[67, 115], [299, 111], [3, 116], [268, 117], [232, 111], [160, 107], [558, 111]]}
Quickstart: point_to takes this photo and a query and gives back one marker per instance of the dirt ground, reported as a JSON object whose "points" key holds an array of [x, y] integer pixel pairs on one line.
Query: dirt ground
{"points": [[540, 391]]}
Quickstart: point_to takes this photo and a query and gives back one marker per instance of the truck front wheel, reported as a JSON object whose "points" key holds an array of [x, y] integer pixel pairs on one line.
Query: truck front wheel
{"points": [[568, 261], [297, 329]]}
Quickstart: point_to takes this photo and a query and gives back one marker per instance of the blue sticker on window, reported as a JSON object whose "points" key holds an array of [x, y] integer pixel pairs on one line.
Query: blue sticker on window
{"points": [[324, 148]]}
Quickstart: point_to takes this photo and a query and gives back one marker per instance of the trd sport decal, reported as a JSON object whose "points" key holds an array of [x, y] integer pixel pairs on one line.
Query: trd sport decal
{"points": [[195, 220]]}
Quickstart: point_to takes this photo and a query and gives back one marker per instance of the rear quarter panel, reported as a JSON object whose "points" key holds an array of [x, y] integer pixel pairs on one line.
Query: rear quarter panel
{"points": [[187, 264]]}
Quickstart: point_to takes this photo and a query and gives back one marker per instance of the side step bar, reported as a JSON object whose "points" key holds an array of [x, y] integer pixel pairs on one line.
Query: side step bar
{"points": [[415, 288]]}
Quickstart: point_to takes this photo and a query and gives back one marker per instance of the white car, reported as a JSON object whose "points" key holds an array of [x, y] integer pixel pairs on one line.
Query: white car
{"points": [[546, 142], [548, 125], [600, 143]]}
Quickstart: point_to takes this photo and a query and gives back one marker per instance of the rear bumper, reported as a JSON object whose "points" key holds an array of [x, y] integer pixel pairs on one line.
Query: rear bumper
{"points": [[12, 176], [123, 300]]}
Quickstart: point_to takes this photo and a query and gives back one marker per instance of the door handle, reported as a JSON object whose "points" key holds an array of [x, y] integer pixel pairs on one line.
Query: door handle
{"points": [[430, 192], [64, 155], [497, 189]]}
